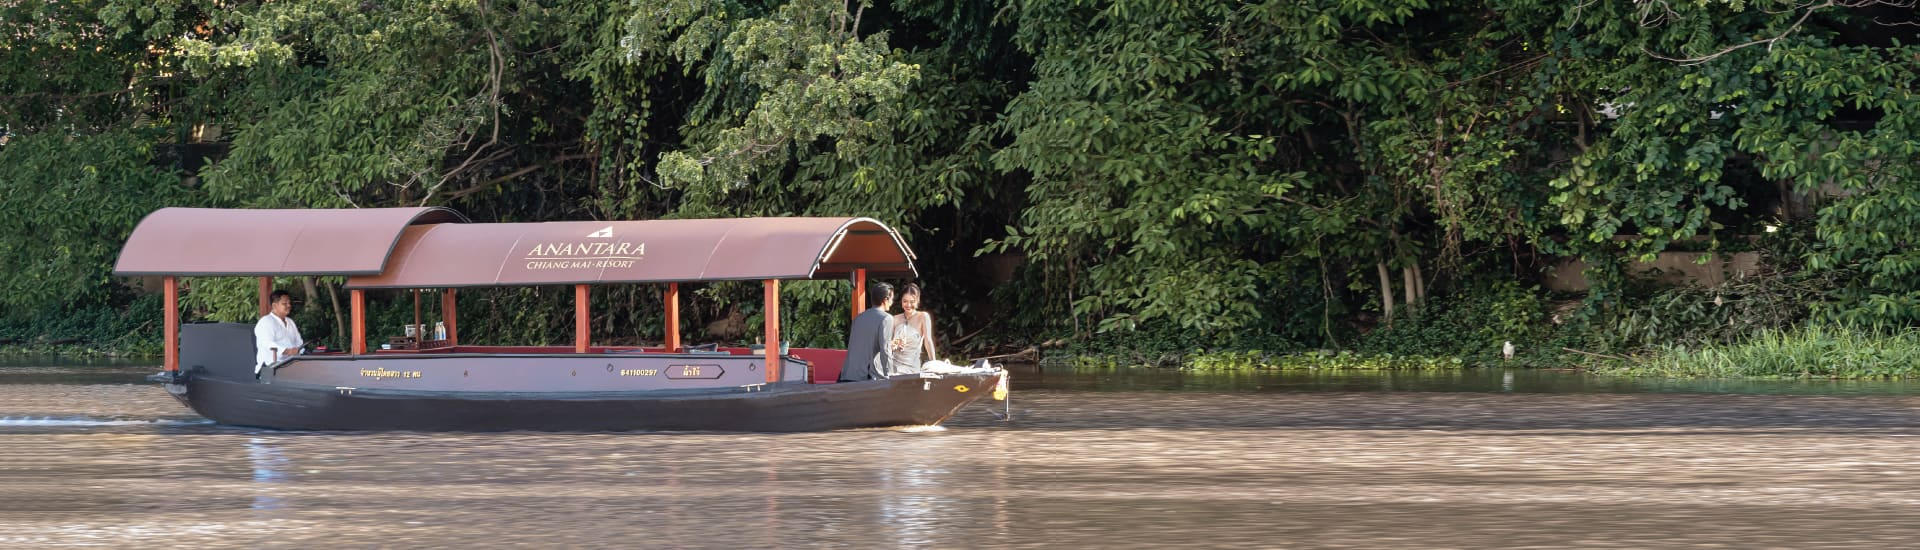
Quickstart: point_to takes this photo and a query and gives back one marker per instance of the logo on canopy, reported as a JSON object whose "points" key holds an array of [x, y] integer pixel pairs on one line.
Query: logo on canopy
{"points": [[570, 254]]}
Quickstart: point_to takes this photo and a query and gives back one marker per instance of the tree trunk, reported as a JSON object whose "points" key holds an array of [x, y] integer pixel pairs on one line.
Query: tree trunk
{"points": [[1420, 278], [339, 318], [308, 291], [1406, 283], [1386, 293], [1071, 281], [1326, 304]]}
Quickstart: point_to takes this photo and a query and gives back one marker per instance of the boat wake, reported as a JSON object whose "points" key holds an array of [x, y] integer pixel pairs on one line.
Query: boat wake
{"points": [[72, 421]]}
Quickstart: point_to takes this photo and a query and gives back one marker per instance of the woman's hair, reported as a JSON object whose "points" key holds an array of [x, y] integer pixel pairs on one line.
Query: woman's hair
{"points": [[910, 290], [277, 294]]}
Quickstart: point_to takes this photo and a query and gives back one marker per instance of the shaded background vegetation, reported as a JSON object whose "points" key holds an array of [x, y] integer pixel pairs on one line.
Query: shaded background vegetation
{"points": [[1382, 175]]}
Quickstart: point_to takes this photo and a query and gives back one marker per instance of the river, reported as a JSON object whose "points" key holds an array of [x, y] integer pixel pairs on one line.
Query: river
{"points": [[91, 455]]}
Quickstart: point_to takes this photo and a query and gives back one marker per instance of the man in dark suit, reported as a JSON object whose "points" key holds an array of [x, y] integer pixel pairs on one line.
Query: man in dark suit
{"points": [[869, 355]]}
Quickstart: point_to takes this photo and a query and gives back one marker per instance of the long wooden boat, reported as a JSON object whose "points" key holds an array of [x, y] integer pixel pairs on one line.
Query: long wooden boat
{"points": [[441, 384]]}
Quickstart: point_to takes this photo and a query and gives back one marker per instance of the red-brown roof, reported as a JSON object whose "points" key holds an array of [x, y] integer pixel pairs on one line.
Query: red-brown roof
{"points": [[585, 252], [210, 241]]}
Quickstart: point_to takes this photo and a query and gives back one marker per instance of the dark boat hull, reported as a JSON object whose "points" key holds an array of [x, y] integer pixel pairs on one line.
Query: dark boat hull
{"points": [[550, 392], [784, 407]]}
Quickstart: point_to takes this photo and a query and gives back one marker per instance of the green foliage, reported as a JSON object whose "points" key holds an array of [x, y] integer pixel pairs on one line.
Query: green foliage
{"points": [[1475, 322], [221, 299], [1812, 351], [345, 103], [81, 67], [1723, 314], [1827, 110], [131, 327], [777, 84], [69, 202], [1130, 164], [1394, 133], [1255, 359], [1208, 175], [813, 314]]}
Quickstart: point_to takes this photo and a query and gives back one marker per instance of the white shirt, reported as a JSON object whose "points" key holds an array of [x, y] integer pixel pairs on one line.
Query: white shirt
{"points": [[270, 333]]}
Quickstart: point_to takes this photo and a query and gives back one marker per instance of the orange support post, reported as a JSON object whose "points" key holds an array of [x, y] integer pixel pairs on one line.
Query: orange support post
{"points": [[580, 318], [170, 327], [358, 305], [672, 342], [447, 316], [266, 289], [859, 291], [773, 330]]}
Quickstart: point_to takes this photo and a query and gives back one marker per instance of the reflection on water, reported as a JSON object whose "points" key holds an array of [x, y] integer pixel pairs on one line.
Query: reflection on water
{"points": [[1093, 459], [269, 469]]}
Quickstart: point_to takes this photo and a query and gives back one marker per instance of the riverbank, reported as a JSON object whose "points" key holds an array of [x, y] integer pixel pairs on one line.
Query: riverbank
{"points": [[1256, 360], [1809, 351], [1815, 351], [69, 350], [126, 328]]}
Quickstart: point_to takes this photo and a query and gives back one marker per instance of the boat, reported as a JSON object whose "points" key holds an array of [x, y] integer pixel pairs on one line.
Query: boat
{"points": [[431, 381]]}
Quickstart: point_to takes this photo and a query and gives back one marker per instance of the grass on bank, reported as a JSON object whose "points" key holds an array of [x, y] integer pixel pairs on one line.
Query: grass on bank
{"points": [[1254, 359], [1810, 351], [1815, 350]]}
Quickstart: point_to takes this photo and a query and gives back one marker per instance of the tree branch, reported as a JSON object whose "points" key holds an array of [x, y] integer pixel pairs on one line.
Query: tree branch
{"points": [[1810, 8], [482, 186], [496, 72]]}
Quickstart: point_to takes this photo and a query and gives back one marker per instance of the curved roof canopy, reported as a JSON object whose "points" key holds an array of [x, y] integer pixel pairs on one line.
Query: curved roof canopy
{"points": [[585, 252], [210, 241]]}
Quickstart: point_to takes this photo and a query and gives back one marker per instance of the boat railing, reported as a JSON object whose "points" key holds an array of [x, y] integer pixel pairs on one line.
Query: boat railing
{"points": [[754, 350]]}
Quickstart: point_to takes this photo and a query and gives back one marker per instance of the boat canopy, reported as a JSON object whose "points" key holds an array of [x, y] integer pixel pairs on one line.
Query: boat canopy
{"points": [[421, 248], [230, 242], [651, 251]]}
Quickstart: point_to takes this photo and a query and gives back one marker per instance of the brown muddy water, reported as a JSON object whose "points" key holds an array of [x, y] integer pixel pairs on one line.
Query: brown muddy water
{"points": [[92, 456]]}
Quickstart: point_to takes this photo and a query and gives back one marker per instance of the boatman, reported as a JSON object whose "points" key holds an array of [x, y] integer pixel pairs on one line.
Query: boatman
{"points": [[275, 337], [868, 356]]}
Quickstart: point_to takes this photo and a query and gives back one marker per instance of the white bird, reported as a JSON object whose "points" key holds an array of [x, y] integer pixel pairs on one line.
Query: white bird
{"points": [[1506, 351]]}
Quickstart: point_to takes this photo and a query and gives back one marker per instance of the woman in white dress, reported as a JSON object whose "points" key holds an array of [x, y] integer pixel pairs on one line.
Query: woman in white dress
{"points": [[275, 337], [912, 333]]}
